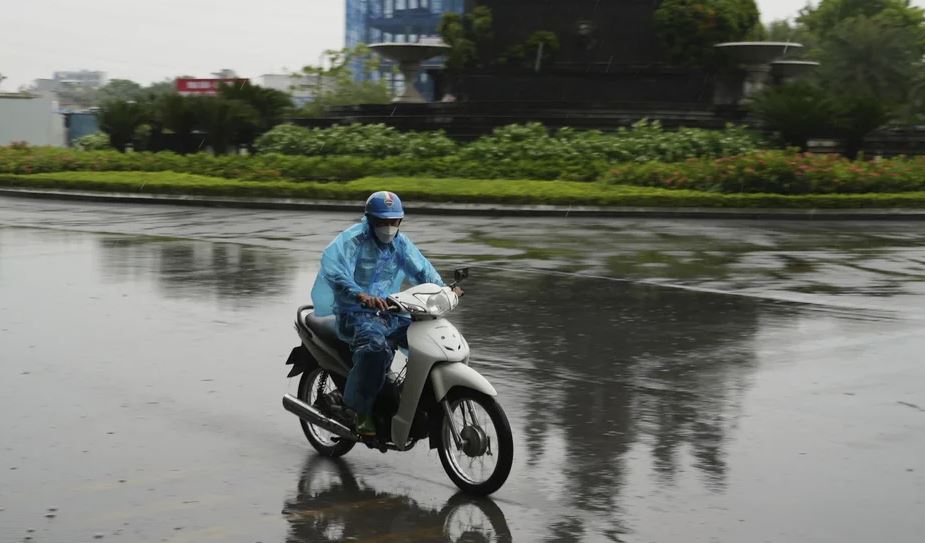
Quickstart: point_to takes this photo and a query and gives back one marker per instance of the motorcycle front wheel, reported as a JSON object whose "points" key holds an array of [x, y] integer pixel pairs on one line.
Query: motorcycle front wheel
{"points": [[482, 462], [326, 443]]}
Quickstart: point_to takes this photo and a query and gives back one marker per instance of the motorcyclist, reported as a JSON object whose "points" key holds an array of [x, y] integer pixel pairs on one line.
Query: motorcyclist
{"points": [[362, 266]]}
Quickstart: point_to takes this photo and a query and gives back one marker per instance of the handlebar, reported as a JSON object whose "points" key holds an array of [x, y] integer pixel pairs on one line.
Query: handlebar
{"points": [[460, 275], [392, 306]]}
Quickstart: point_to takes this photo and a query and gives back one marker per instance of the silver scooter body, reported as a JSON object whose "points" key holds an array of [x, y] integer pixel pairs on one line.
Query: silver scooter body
{"points": [[436, 352]]}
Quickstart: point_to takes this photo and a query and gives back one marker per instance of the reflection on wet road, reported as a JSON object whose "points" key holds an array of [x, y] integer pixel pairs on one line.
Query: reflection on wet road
{"points": [[666, 381], [332, 505]]}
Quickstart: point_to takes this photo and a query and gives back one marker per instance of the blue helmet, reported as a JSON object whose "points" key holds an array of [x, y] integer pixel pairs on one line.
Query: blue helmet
{"points": [[384, 205]]}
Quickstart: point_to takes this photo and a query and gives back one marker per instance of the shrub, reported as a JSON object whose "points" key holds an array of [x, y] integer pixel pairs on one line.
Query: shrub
{"points": [[796, 111], [778, 172], [93, 142], [286, 139], [771, 172], [569, 153], [643, 142], [370, 140]]}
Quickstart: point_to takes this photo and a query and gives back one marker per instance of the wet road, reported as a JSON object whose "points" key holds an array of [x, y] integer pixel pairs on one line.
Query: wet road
{"points": [[665, 380]]}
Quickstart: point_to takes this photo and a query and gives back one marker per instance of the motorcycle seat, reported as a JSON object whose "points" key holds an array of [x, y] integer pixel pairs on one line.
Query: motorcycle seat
{"points": [[326, 330]]}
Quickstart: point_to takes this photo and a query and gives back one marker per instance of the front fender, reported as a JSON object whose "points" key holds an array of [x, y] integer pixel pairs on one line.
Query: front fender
{"points": [[456, 374]]}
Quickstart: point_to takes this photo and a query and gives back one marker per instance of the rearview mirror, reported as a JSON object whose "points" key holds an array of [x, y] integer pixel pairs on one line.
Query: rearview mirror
{"points": [[461, 274]]}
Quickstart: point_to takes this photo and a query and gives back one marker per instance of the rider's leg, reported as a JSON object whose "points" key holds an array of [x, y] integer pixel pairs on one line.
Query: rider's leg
{"points": [[372, 356]]}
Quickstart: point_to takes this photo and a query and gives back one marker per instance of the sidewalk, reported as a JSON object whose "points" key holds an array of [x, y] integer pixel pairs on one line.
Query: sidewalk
{"points": [[496, 210]]}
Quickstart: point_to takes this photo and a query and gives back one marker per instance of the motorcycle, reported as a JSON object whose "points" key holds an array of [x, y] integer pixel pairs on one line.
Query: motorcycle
{"points": [[434, 395]]}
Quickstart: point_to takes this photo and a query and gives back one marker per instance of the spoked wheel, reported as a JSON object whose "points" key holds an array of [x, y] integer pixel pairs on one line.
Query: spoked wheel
{"points": [[481, 463], [314, 384]]}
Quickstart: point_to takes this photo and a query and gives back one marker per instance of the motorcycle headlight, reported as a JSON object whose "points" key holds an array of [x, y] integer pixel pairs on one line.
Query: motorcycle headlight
{"points": [[439, 303]]}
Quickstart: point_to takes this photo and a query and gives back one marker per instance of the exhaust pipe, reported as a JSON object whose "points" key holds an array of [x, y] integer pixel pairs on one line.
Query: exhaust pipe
{"points": [[312, 416]]}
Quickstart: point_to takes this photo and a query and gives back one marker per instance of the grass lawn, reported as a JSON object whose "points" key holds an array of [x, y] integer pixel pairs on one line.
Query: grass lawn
{"points": [[450, 190]]}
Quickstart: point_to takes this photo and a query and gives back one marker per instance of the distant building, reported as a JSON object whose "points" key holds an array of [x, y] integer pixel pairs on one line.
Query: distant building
{"points": [[31, 119], [371, 21], [44, 87], [402, 21], [73, 90], [81, 77]]}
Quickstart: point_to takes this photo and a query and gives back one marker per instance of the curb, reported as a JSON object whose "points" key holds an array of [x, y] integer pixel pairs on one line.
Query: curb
{"points": [[490, 210]]}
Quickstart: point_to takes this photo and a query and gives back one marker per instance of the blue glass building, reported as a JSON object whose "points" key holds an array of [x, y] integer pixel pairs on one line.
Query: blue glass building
{"points": [[403, 21]]}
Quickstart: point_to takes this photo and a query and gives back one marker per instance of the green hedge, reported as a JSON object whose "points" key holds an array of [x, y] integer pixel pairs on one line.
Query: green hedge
{"points": [[775, 172], [277, 166], [45, 159], [348, 152], [451, 190], [778, 172]]}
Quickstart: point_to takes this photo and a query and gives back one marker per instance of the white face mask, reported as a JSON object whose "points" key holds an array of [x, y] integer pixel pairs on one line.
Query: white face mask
{"points": [[386, 234]]}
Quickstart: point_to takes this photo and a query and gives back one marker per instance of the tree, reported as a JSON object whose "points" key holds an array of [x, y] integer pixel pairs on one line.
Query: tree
{"points": [[913, 111], [175, 113], [159, 89], [855, 116], [688, 29], [871, 64], [119, 89], [270, 104], [225, 122], [823, 19], [468, 35], [119, 119], [796, 111], [349, 79], [871, 58], [542, 43], [784, 31]]}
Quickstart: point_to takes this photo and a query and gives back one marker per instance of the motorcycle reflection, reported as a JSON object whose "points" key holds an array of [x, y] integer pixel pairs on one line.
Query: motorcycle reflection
{"points": [[331, 505]]}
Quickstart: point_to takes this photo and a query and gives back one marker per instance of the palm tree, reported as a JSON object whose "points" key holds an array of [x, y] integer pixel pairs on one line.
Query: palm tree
{"points": [[175, 113], [226, 122], [270, 104], [119, 119]]}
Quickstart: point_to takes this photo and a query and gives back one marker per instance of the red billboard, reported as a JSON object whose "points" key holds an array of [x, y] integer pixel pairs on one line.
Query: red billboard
{"points": [[207, 87]]}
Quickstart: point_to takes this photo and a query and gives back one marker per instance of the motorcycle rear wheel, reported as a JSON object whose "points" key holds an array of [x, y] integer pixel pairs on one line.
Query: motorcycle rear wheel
{"points": [[466, 466], [326, 443]]}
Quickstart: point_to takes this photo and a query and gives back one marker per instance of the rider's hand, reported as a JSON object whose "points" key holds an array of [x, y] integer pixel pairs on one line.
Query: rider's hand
{"points": [[372, 302], [458, 292]]}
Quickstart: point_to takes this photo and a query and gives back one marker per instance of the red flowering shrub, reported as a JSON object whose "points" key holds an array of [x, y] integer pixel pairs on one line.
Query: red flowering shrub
{"points": [[777, 172]]}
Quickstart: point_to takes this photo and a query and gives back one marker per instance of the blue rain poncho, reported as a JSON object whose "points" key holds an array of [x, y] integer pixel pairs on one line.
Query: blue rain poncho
{"points": [[356, 262]]}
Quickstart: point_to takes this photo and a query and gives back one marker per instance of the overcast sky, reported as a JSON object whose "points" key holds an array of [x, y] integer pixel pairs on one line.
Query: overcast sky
{"points": [[150, 40]]}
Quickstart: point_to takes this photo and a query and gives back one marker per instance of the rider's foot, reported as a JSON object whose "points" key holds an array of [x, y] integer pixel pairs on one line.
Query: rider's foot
{"points": [[366, 426]]}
